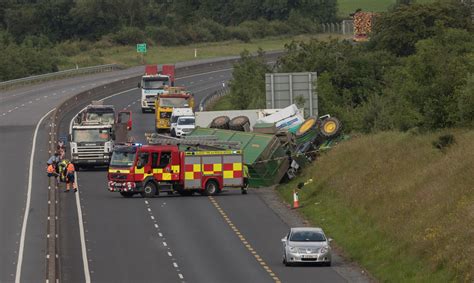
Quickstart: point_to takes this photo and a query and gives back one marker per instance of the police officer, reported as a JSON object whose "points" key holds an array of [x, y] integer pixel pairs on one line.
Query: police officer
{"points": [[70, 177]]}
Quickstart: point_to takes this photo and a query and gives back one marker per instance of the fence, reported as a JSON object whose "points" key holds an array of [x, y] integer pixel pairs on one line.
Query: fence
{"points": [[344, 27], [57, 75], [210, 99]]}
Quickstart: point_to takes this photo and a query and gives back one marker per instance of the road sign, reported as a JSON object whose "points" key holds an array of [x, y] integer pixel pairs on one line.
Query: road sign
{"points": [[284, 89], [141, 48]]}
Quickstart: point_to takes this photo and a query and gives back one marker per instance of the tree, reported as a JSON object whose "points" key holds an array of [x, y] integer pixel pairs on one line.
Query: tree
{"points": [[400, 30], [248, 83]]}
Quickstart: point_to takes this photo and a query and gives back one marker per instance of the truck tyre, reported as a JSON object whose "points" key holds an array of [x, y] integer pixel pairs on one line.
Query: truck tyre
{"points": [[149, 190], [307, 126], [239, 123], [330, 127], [143, 110], [126, 194], [221, 122], [211, 188]]}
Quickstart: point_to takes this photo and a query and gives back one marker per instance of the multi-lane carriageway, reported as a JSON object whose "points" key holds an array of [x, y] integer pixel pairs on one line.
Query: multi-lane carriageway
{"points": [[106, 238]]}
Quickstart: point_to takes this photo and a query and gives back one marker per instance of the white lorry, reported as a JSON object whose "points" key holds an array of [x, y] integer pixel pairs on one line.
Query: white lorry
{"points": [[153, 83], [183, 122]]}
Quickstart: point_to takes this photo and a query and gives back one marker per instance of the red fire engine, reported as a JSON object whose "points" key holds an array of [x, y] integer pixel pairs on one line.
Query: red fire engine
{"points": [[152, 169]]}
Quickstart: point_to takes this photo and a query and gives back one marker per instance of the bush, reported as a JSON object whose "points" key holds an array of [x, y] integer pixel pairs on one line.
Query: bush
{"points": [[162, 35], [444, 141], [129, 36], [240, 33]]}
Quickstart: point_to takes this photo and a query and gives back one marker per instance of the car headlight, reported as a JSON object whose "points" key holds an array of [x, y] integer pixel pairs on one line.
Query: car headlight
{"points": [[292, 249], [323, 250]]}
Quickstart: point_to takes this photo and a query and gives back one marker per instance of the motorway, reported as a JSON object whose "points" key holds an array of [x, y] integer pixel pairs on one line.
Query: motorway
{"points": [[227, 238]]}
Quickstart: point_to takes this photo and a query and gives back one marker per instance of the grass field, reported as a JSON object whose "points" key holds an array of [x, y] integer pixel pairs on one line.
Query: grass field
{"points": [[128, 56], [349, 6], [395, 204]]}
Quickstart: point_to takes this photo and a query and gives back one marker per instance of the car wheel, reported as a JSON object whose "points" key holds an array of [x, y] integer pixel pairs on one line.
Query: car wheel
{"points": [[285, 262], [211, 188], [173, 133], [149, 190], [327, 263], [126, 194]]}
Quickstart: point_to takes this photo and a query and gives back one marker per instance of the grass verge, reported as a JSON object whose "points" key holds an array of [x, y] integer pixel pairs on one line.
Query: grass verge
{"points": [[127, 55], [397, 205]]}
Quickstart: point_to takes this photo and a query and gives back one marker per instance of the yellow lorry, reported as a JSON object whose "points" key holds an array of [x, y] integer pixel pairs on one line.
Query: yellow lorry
{"points": [[172, 97]]}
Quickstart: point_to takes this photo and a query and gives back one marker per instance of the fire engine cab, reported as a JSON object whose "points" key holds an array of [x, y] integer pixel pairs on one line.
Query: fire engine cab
{"points": [[158, 168]]}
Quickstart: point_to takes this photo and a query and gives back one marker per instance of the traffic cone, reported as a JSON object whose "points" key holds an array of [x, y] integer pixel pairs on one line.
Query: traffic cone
{"points": [[296, 202]]}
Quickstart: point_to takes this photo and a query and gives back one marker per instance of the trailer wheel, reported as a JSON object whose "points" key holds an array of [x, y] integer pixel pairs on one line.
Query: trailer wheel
{"points": [[221, 122], [212, 188], [330, 127], [238, 123], [149, 190], [126, 194]]}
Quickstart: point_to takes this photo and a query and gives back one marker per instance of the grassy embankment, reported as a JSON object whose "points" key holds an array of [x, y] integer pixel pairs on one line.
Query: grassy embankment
{"points": [[349, 6], [397, 205], [128, 56]]}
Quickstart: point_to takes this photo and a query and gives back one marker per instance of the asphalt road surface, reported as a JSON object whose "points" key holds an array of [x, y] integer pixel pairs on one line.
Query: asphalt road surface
{"points": [[227, 238]]}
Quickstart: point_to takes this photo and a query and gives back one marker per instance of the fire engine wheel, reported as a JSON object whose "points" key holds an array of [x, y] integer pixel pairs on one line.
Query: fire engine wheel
{"points": [[221, 122], [126, 194], [212, 188], [149, 190]]}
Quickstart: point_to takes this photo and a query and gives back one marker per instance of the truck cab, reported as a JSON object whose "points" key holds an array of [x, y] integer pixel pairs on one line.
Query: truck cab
{"points": [[91, 144], [172, 98], [153, 83]]}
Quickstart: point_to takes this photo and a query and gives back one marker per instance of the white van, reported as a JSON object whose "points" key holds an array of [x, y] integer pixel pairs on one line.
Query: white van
{"points": [[184, 126]]}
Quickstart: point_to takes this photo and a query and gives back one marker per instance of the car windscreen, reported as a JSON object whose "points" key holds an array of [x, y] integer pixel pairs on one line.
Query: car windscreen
{"points": [[122, 159], [91, 135], [157, 83], [176, 102], [186, 121], [307, 236]]}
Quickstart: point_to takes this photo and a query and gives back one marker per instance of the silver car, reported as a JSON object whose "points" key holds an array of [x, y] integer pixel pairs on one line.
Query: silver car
{"points": [[306, 245]]}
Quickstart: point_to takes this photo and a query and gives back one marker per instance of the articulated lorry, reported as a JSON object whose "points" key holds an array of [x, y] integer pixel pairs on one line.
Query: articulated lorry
{"points": [[154, 83], [94, 132]]}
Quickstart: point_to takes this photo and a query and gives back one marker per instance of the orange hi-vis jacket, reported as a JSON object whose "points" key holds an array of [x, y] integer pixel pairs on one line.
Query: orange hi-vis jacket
{"points": [[51, 169], [70, 168]]}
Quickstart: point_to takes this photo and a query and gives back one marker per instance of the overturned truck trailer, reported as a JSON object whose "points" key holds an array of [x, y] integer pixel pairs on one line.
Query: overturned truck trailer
{"points": [[264, 154]]}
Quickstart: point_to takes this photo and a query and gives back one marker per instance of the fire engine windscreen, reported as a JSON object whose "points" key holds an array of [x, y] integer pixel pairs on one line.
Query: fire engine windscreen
{"points": [[155, 83], [176, 102], [91, 135], [122, 158]]}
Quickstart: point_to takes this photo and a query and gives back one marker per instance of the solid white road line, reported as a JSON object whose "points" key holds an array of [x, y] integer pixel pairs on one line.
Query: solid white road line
{"points": [[85, 262], [28, 201]]}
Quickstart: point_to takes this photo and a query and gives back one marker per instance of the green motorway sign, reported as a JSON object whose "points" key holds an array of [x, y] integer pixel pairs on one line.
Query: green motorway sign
{"points": [[141, 47]]}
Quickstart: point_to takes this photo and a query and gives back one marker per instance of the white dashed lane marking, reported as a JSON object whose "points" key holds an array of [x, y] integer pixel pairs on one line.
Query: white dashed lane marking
{"points": [[165, 244]]}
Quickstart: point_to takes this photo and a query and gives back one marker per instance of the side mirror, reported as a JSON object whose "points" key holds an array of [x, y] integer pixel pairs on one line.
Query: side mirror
{"points": [[139, 165], [69, 137], [139, 85], [329, 240], [283, 240]]}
